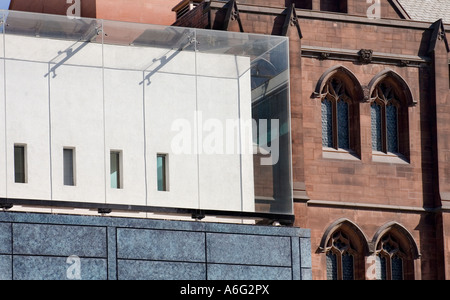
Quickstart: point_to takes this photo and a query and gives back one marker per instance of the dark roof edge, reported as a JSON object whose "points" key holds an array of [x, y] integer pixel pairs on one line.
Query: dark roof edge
{"points": [[308, 14], [400, 9]]}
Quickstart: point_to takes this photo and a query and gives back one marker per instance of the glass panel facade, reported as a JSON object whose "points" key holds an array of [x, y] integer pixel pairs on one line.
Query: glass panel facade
{"points": [[375, 111], [219, 100], [327, 123], [5, 4], [343, 125], [392, 128]]}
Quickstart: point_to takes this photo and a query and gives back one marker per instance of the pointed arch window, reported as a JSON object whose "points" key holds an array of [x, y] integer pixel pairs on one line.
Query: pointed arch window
{"points": [[336, 107], [395, 252], [390, 99], [340, 257], [340, 94], [384, 110], [344, 246], [389, 259]]}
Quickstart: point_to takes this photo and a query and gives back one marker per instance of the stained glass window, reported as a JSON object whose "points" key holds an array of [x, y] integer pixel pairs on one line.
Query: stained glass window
{"points": [[331, 266], [380, 267], [343, 130], [389, 260], [347, 267], [392, 128], [385, 118], [376, 127], [397, 268], [340, 257], [327, 123], [335, 115]]}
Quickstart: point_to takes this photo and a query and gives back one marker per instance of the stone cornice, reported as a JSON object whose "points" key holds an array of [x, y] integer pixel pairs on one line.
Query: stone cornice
{"points": [[323, 53], [372, 206]]}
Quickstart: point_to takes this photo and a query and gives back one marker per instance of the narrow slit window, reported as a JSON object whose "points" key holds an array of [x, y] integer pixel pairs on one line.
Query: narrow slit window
{"points": [[116, 170], [449, 75], [161, 162], [69, 169], [20, 164]]}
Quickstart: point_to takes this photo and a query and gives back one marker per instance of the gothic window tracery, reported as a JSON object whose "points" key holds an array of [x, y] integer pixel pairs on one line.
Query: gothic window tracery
{"points": [[336, 104], [340, 257], [389, 259], [385, 110], [390, 99]]}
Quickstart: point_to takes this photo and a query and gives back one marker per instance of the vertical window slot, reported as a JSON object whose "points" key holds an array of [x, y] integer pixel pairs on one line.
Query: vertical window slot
{"points": [[68, 166], [161, 162], [20, 164], [449, 74], [116, 169]]}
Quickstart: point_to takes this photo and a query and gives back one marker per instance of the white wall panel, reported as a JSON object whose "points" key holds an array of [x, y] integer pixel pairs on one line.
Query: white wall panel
{"points": [[77, 121], [27, 122], [124, 121], [169, 100]]}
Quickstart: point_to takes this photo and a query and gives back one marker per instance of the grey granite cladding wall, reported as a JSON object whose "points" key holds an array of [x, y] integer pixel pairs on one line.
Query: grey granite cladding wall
{"points": [[60, 247]]}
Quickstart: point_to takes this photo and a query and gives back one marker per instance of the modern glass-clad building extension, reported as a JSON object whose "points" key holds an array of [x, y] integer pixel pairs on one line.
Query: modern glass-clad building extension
{"points": [[108, 128], [158, 118]]}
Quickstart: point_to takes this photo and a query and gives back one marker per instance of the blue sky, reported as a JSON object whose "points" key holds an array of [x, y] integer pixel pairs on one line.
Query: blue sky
{"points": [[4, 4]]}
